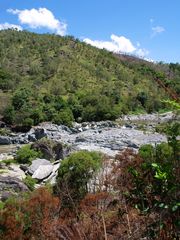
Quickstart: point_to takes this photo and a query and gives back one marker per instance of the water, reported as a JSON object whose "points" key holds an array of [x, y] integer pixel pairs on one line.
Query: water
{"points": [[7, 148]]}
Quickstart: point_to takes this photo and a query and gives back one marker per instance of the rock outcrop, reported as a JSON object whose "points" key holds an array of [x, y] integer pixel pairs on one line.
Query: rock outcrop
{"points": [[10, 186]]}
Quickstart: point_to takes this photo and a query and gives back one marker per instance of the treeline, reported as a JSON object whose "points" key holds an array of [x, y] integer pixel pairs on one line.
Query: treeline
{"points": [[52, 78]]}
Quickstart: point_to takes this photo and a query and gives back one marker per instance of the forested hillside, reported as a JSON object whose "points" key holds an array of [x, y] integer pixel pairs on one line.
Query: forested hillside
{"points": [[61, 79]]}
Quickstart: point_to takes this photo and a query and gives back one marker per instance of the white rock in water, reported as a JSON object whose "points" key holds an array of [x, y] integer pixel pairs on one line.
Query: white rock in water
{"points": [[42, 172]]}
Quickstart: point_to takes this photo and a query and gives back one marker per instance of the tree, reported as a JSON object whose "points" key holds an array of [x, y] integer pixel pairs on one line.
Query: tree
{"points": [[20, 98]]}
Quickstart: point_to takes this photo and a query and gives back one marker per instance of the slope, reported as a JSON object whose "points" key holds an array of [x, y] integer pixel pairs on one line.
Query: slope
{"points": [[52, 78]]}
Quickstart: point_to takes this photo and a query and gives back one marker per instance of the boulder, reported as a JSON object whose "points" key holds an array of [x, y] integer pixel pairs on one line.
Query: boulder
{"points": [[44, 148], [36, 163], [58, 151], [80, 139], [51, 149], [11, 186], [2, 124], [52, 177], [40, 133], [42, 172], [5, 140]]}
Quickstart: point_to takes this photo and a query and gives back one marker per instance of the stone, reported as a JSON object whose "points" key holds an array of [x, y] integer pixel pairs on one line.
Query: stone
{"points": [[58, 150], [44, 148], [36, 163], [13, 170], [11, 186], [43, 171], [2, 124], [40, 133], [4, 140], [32, 137], [80, 139], [24, 167]]}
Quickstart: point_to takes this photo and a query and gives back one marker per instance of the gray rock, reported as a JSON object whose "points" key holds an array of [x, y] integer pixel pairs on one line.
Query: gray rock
{"points": [[2, 165], [2, 124], [11, 186], [40, 133], [44, 148], [53, 174], [4, 140], [24, 167], [36, 163], [32, 137], [58, 150], [43, 171], [80, 139]]}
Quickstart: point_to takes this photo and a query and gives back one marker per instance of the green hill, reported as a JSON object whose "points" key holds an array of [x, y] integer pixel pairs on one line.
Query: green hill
{"points": [[59, 79]]}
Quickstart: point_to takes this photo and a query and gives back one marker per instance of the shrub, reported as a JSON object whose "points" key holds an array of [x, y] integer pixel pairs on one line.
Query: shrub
{"points": [[9, 115], [147, 152], [75, 172], [28, 122], [26, 154], [30, 182], [164, 152], [64, 117], [20, 98]]}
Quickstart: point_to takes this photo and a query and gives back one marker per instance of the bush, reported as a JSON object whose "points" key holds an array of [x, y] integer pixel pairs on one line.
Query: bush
{"points": [[64, 117], [30, 182], [9, 115], [28, 122], [164, 152], [147, 152], [26, 154], [75, 172]]}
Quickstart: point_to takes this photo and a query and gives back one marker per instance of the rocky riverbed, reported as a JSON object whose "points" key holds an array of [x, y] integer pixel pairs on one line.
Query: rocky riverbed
{"points": [[107, 137]]}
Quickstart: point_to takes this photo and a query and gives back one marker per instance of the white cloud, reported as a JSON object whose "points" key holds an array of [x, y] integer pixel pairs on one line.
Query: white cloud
{"points": [[141, 52], [157, 30], [9, 25], [42, 17], [118, 44]]}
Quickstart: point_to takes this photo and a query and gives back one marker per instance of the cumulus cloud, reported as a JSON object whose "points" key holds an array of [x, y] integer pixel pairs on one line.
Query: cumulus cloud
{"points": [[118, 44], [37, 18], [157, 30], [9, 25]]}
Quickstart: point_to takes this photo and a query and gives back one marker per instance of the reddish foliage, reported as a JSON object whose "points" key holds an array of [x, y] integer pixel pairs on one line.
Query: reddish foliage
{"points": [[109, 213]]}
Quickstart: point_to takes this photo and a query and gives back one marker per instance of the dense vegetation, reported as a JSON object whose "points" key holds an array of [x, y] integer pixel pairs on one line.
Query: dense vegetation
{"points": [[60, 79], [134, 196]]}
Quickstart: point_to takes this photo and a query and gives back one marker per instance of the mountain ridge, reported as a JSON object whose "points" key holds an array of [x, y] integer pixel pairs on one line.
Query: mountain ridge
{"points": [[67, 79]]}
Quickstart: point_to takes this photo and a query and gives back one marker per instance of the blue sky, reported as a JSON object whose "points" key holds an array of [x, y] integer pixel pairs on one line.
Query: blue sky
{"points": [[148, 28]]}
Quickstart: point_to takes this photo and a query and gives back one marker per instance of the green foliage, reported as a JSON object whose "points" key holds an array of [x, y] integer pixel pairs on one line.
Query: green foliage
{"points": [[64, 117], [157, 175], [8, 161], [75, 172], [25, 154], [5, 131], [64, 73], [1, 206], [147, 152], [164, 152], [5, 80], [174, 105], [9, 114], [20, 98], [30, 182]]}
